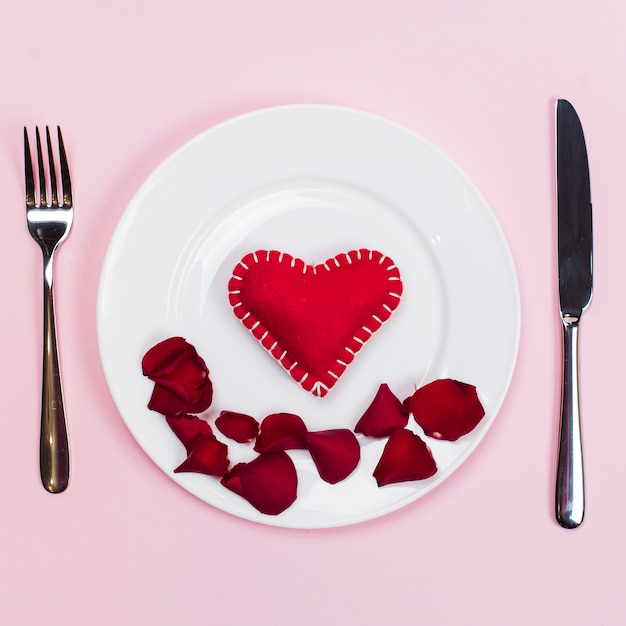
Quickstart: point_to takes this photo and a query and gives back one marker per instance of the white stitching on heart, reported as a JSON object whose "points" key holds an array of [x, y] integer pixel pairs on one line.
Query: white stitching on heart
{"points": [[307, 382]]}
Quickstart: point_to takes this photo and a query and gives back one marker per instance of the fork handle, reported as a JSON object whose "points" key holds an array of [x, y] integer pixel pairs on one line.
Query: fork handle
{"points": [[570, 491], [54, 458]]}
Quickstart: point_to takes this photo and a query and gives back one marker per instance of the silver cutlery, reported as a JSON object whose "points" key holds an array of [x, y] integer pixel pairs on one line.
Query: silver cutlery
{"points": [[575, 272], [49, 214]]}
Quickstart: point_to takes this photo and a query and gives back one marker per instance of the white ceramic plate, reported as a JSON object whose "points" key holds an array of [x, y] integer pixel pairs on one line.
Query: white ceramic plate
{"points": [[313, 181]]}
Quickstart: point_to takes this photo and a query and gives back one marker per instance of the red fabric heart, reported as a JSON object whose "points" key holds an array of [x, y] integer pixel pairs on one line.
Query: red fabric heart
{"points": [[314, 319]]}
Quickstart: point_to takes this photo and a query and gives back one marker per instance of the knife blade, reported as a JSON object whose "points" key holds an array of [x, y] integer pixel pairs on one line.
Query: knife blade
{"points": [[575, 279]]}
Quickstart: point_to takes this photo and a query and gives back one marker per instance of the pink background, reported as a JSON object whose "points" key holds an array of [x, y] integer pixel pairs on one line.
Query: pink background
{"points": [[130, 81]]}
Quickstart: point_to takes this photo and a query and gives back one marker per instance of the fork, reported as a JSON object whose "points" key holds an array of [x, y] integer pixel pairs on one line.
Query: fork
{"points": [[49, 222]]}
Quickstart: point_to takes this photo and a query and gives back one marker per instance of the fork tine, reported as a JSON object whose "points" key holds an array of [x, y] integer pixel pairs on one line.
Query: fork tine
{"points": [[28, 172], [65, 172], [51, 167], [42, 175]]}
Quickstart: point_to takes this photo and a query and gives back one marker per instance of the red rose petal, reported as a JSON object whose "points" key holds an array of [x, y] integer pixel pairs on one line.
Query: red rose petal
{"points": [[406, 405], [335, 452], [166, 403], [208, 456], [447, 409], [405, 457], [158, 360], [238, 426], [181, 377], [232, 479], [188, 428], [269, 483], [281, 431], [384, 415]]}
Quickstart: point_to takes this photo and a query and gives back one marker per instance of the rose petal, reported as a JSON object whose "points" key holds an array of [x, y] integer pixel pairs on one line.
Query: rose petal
{"points": [[447, 409], [269, 482], [405, 457], [208, 456], [238, 426], [335, 452], [181, 377], [384, 415], [158, 360], [188, 428], [281, 431], [232, 479]]}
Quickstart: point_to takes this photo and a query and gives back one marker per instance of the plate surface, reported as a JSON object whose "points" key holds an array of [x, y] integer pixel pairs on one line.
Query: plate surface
{"points": [[313, 181]]}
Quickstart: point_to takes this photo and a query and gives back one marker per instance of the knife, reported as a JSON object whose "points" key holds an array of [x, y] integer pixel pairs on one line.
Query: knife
{"points": [[575, 271]]}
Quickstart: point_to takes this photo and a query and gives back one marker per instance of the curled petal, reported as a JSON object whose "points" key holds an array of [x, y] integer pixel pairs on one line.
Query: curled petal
{"points": [[446, 409], [335, 452], [237, 426], [281, 431], [232, 479], [406, 406], [269, 482], [166, 403], [208, 456], [188, 428], [180, 376], [405, 457], [384, 415]]}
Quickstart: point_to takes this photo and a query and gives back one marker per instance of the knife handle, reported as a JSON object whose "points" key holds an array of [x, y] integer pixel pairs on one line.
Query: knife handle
{"points": [[570, 491]]}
